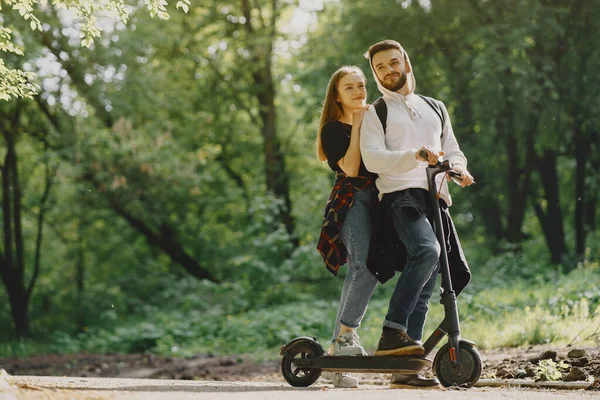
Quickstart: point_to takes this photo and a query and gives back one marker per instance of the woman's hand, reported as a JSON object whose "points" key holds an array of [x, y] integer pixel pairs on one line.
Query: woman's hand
{"points": [[358, 115], [428, 154]]}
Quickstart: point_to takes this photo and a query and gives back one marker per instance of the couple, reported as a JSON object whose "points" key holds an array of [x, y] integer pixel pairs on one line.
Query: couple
{"points": [[379, 162]]}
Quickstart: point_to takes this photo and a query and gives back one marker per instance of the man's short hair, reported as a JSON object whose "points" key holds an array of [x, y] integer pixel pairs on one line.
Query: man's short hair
{"points": [[381, 46]]}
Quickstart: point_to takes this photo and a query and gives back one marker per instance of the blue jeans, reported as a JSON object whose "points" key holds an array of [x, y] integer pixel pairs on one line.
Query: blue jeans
{"points": [[410, 301], [417, 318], [359, 283]]}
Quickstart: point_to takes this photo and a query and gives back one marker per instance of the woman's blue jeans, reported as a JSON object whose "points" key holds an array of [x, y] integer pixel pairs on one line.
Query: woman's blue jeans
{"points": [[359, 283]]}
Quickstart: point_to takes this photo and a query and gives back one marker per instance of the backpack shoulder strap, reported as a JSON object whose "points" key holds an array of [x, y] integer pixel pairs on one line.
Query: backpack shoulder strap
{"points": [[434, 104], [381, 109]]}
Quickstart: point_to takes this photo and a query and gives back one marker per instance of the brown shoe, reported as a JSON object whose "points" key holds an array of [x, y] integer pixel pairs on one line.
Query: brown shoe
{"points": [[396, 342], [414, 381]]}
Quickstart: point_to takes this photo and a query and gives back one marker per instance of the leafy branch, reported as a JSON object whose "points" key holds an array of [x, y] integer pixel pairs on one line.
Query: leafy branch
{"points": [[15, 83]]}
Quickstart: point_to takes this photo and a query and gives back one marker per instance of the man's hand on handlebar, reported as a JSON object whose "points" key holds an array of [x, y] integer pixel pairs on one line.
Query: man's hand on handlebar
{"points": [[428, 154], [465, 178], [460, 175]]}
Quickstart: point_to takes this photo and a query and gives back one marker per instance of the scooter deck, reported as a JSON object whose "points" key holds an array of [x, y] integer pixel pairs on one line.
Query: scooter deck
{"points": [[365, 363]]}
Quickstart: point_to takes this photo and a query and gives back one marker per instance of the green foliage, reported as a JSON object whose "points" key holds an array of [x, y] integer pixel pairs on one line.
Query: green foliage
{"points": [[193, 317], [549, 370], [15, 83]]}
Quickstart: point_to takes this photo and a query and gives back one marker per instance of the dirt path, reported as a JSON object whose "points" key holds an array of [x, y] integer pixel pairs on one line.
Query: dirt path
{"points": [[498, 363], [149, 376], [57, 388]]}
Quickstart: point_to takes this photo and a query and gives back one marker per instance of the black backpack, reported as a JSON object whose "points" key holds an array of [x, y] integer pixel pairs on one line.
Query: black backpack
{"points": [[381, 109]]}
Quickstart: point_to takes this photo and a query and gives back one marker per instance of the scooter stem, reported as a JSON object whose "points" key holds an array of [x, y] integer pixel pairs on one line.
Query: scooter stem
{"points": [[450, 325], [432, 172]]}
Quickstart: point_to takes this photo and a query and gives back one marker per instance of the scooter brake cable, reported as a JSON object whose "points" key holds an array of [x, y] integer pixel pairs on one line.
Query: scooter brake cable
{"points": [[446, 176]]}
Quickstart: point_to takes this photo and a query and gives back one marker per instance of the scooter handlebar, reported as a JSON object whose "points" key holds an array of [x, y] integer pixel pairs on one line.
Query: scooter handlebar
{"points": [[444, 166]]}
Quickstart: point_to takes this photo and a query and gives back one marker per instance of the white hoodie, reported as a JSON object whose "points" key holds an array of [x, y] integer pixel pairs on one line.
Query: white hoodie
{"points": [[411, 124]]}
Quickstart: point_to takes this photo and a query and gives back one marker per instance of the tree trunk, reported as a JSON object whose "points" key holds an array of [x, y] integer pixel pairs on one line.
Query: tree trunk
{"points": [[490, 212], [591, 221], [12, 267], [551, 220], [7, 209], [520, 163], [487, 204], [277, 177], [165, 239], [517, 197], [40, 227], [590, 212], [581, 155], [17, 297], [80, 278], [276, 173]]}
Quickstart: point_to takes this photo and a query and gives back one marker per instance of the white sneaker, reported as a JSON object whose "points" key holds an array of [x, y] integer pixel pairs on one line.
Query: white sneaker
{"points": [[328, 375], [340, 379], [348, 345], [344, 380]]}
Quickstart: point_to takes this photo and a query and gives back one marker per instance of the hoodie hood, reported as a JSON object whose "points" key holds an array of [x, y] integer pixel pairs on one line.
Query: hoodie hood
{"points": [[410, 80]]}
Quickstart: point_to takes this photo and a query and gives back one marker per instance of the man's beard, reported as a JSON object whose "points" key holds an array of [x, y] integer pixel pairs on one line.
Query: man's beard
{"points": [[394, 87]]}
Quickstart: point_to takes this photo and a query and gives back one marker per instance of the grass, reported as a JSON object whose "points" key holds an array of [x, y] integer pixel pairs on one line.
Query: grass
{"points": [[558, 311]]}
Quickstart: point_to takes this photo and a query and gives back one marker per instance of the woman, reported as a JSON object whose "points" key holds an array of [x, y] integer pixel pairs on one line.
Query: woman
{"points": [[347, 226]]}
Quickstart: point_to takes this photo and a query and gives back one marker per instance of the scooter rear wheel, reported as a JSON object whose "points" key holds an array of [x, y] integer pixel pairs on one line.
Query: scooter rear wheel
{"points": [[466, 374], [300, 377]]}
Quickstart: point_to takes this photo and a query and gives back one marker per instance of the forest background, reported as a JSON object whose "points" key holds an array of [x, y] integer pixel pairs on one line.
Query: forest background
{"points": [[161, 192]]}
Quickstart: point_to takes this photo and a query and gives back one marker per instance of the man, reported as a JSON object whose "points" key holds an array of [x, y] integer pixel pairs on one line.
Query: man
{"points": [[413, 129]]}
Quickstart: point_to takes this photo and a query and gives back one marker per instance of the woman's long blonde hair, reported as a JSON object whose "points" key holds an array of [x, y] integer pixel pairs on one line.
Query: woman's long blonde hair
{"points": [[332, 109]]}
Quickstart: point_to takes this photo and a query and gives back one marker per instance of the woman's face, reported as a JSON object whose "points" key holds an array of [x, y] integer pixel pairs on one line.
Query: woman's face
{"points": [[352, 93]]}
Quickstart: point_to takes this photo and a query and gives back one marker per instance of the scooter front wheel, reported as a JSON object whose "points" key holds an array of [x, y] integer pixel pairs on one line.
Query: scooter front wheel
{"points": [[464, 375], [300, 377]]}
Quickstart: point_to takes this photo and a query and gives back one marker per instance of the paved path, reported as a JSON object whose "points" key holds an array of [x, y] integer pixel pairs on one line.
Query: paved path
{"points": [[34, 387]]}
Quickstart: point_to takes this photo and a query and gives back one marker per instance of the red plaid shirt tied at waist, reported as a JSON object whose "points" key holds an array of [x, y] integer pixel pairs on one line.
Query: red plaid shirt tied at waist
{"points": [[340, 200]]}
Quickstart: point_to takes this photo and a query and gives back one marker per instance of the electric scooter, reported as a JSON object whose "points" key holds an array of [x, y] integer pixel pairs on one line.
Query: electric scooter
{"points": [[457, 363]]}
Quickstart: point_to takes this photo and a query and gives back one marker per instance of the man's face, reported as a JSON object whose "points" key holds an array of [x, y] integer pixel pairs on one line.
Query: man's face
{"points": [[391, 69]]}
